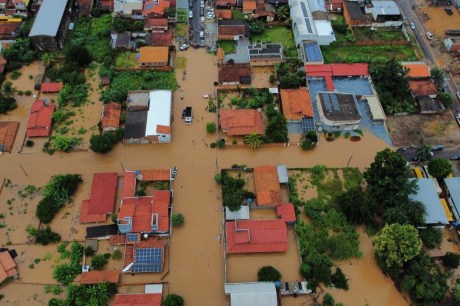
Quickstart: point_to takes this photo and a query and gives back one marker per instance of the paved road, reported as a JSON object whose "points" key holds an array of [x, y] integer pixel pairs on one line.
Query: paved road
{"points": [[410, 153]]}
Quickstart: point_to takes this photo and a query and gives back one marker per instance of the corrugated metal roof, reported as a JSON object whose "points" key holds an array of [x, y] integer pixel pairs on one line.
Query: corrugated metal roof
{"points": [[282, 174], [252, 294], [376, 108], [48, 18], [240, 214], [427, 195], [453, 186]]}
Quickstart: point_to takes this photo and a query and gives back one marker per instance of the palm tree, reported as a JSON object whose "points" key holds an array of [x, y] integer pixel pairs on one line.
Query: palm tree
{"points": [[423, 152], [8, 91], [47, 59], [282, 13], [253, 140]]}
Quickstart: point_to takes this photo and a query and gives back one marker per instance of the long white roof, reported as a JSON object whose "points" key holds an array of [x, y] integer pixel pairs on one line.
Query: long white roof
{"points": [[252, 294], [48, 18], [159, 111]]}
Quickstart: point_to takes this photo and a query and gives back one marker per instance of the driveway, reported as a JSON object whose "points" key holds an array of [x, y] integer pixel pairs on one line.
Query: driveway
{"points": [[241, 55]]}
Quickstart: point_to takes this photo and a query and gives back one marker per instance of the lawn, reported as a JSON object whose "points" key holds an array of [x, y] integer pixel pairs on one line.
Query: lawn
{"points": [[228, 46], [101, 24], [337, 53], [383, 34], [181, 29], [182, 15], [236, 14], [281, 35], [126, 60]]}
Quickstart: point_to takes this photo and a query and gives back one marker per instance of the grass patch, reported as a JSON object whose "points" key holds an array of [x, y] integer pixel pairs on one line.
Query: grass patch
{"points": [[227, 45], [126, 60], [101, 24], [360, 132], [181, 29], [237, 14], [181, 62], [338, 53], [378, 34], [281, 35], [352, 178], [182, 15]]}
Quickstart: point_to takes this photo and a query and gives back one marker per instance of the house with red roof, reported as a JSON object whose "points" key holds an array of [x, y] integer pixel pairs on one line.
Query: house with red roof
{"points": [[155, 8], [52, 87], [267, 186], [286, 212], [96, 277], [328, 71], [156, 24], [146, 256], [223, 14], [7, 266], [40, 119], [232, 29], [240, 122], [111, 114], [234, 74], [226, 3], [296, 104], [8, 130], [256, 236], [417, 70], [138, 299]]}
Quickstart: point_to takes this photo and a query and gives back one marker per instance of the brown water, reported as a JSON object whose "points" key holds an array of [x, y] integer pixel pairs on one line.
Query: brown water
{"points": [[196, 267]]}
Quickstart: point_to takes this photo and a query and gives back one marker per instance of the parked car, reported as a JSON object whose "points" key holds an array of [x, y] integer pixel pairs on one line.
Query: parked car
{"points": [[190, 14], [455, 157], [458, 95], [183, 47], [201, 34], [202, 4], [457, 117], [190, 3], [210, 16], [201, 11], [202, 19], [429, 35], [437, 148], [210, 9], [412, 25], [449, 11]]}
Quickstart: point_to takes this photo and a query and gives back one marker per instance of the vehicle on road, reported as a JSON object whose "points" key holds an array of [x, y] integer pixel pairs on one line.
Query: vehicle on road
{"points": [[201, 34], [412, 25], [401, 149], [190, 14], [190, 3], [202, 4], [437, 148], [455, 157], [457, 117], [458, 95], [429, 35], [187, 114], [183, 47], [201, 11], [210, 9]]}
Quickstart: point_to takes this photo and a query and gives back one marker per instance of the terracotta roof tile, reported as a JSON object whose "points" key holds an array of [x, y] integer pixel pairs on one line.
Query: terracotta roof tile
{"points": [[163, 129], [111, 114], [153, 55], [233, 73], [87, 217], [129, 184], [8, 28], [96, 277], [267, 186], [249, 5], [161, 39], [155, 7], [241, 121], [286, 212], [129, 255], [233, 30], [417, 70], [39, 124], [8, 130], [225, 3], [357, 69], [423, 87], [152, 242], [155, 22], [155, 175], [296, 103], [256, 236], [103, 193], [51, 87], [138, 299], [117, 239], [224, 14]]}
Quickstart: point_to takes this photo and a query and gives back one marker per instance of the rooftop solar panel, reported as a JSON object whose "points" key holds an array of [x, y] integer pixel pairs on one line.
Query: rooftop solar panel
{"points": [[148, 260], [131, 237], [304, 9]]}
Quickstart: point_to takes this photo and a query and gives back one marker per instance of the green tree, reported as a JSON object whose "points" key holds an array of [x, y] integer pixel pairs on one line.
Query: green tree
{"points": [[451, 260], [388, 175], [282, 12], [46, 235], [339, 279], [47, 59], [177, 220], [316, 268], [276, 129], [438, 77], [105, 142], [211, 127], [78, 54], [431, 237], [253, 140], [446, 99], [397, 244], [65, 144], [423, 153], [173, 300], [405, 212], [355, 205], [257, 26], [268, 274], [8, 91], [440, 168], [98, 262], [328, 300]]}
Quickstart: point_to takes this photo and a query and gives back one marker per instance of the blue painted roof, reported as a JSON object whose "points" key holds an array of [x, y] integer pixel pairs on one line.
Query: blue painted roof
{"points": [[427, 195], [313, 52]]}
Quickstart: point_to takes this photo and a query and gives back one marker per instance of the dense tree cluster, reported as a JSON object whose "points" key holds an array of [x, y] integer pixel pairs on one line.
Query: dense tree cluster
{"points": [[105, 142], [289, 75]]}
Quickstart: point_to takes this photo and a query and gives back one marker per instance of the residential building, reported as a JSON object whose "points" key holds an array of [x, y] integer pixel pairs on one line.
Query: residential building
{"points": [[452, 44], [241, 122], [417, 70], [97, 277], [256, 236], [232, 29], [155, 8], [7, 265], [376, 13], [249, 7], [254, 294], [453, 195], [338, 111], [264, 11], [9, 31], [8, 130], [52, 87], [84, 7], [427, 195], [236, 74], [87, 217], [354, 15], [223, 14], [17, 8], [226, 3], [329, 71], [111, 114], [153, 56], [40, 121], [106, 4], [385, 11], [423, 88], [334, 5], [145, 256], [286, 212], [296, 104], [158, 38], [310, 22], [151, 124], [50, 25], [156, 24], [121, 40], [311, 53], [128, 8], [267, 186], [102, 198], [265, 54], [133, 299]]}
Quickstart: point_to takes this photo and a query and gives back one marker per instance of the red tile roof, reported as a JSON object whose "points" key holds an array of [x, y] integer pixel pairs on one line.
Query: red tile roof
{"points": [[156, 22], [111, 115], [221, 3], [8, 28], [224, 14], [39, 124], [249, 5], [138, 299], [156, 7], [423, 88], [241, 121], [286, 212], [161, 38], [163, 129], [8, 130], [129, 255], [296, 103], [267, 186], [233, 30], [233, 73], [256, 236], [96, 277], [350, 69], [7, 266], [117, 239], [128, 188], [155, 175], [51, 87], [103, 193], [87, 217], [106, 4], [417, 70]]}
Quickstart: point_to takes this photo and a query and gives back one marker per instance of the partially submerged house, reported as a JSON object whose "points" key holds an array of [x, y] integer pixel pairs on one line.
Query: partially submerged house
{"points": [[7, 265], [8, 130], [296, 105], [338, 111], [111, 114], [256, 236], [232, 29], [156, 24], [241, 122], [428, 196], [51, 87], [97, 277], [133, 299], [40, 119], [153, 56], [286, 212], [235, 74], [50, 25], [148, 119], [146, 256], [254, 294], [267, 186], [155, 8], [223, 14]]}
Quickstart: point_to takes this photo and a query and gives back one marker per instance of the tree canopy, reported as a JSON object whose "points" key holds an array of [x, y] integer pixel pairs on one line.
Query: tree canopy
{"points": [[173, 300], [268, 274], [397, 244], [440, 168], [355, 205]]}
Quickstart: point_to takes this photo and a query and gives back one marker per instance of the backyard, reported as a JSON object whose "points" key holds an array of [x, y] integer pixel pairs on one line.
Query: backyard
{"points": [[281, 35], [182, 15], [126, 60], [228, 46], [378, 34]]}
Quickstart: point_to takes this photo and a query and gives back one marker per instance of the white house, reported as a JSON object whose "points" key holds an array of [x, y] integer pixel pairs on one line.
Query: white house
{"points": [[159, 115]]}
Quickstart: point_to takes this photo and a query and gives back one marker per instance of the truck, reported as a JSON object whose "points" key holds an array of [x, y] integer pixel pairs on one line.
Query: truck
{"points": [[187, 114]]}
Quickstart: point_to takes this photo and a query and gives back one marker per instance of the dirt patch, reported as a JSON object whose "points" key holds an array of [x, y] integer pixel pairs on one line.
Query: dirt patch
{"points": [[261, 76], [418, 129], [438, 21]]}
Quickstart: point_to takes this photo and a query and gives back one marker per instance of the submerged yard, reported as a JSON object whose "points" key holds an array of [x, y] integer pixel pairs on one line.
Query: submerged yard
{"points": [[281, 35]]}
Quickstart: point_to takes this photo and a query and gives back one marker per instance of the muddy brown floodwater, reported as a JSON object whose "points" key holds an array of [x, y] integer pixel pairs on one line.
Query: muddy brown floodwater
{"points": [[196, 266]]}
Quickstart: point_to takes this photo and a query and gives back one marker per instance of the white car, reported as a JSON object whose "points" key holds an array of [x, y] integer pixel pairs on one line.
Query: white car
{"points": [[202, 4], [210, 9], [202, 19], [183, 47], [412, 25], [458, 95], [210, 16], [429, 35], [201, 34], [457, 117]]}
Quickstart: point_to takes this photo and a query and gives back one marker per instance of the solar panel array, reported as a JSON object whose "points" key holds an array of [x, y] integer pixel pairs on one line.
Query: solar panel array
{"points": [[131, 237], [148, 260], [308, 124], [305, 14], [330, 102], [149, 6], [313, 52]]}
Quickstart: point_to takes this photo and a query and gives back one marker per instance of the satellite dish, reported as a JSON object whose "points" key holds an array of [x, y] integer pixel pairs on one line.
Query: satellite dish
{"points": [[146, 236]]}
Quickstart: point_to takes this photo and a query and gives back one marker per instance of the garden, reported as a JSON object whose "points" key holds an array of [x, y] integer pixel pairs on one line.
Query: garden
{"points": [[281, 35], [378, 34], [126, 60]]}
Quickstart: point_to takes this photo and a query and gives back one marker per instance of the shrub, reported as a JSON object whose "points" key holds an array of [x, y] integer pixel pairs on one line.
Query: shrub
{"points": [[89, 251], [173, 300], [30, 143], [218, 178], [46, 235], [213, 145], [451, 260], [65, 273], [117, 254], [339, 280], [105, 142], [178, 220], [15, 75], [211, 127], [28, 93], [64, 144], [98, 262], [431, 237], [268, 274], [328, 300]]}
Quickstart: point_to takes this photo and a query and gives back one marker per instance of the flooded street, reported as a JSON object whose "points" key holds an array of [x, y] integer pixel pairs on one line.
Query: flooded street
{"points": [[196, 266]]}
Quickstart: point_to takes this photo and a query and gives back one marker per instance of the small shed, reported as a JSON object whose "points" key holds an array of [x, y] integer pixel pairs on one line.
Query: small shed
{"points": [[92, 244], [241, 214], [253, 294], [282, 174]]}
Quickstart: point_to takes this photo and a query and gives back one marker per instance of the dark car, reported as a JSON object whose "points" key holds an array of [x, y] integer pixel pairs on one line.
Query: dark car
{"points": [[201, 11], [455, 157], [437, 148], [449, 11]]}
